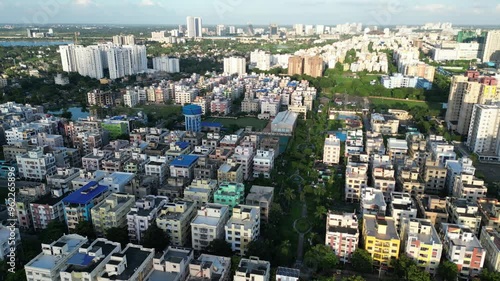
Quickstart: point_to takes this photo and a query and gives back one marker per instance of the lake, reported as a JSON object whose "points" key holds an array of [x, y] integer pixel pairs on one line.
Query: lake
{"points": [[33, 43], [75, 111]]}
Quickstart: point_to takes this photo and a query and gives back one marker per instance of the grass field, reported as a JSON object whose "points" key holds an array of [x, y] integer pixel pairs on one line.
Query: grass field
{"points": [[158, 111], [257, 124], [434, 107]]}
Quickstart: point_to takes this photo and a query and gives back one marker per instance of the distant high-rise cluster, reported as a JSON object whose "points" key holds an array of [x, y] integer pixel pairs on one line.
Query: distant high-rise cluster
{"points": [[491, 51], [92, 60], [194, 27], [124, 39]]}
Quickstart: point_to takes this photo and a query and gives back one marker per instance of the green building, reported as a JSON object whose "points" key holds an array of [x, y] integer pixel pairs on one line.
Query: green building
{"points": [[115, 128], [467, 36], [230, 194]]}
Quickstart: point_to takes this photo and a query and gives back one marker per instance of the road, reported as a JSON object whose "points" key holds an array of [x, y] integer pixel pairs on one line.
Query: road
{"points": [[386, 98], [300, 246]]}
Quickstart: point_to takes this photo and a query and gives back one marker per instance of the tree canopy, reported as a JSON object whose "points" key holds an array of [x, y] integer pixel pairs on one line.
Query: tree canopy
{"points": [[362, 261], [448, 271], [155, 238]]}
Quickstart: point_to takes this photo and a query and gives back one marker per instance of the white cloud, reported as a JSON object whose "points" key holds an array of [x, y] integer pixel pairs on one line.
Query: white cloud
{"points": [[147, 3], [432, 8], [83, 2]]}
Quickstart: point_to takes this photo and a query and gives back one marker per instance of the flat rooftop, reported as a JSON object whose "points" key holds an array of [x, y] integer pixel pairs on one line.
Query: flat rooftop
{"points": [[135, 257], [86, 194], [372, 227], [184, 161], [44, 261]]}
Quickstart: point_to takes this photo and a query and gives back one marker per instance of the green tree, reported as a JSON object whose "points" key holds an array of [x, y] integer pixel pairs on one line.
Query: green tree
{"points": [[408, 270], [320, 212], [262, 248], [487, 275], [118, 234], [354, 278], [85, 228], [219, 247], [448, 271], [289, 195], [362, 261], [155, 238], [54, 231], [67, 114], [321, 258]]}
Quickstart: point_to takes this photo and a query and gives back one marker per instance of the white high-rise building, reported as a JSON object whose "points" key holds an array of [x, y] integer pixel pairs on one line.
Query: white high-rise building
{"points": [[119, 62], [194, 27], [220, 29], [89, 61], [320, 29], [331, 151], [166, 64], [260, 60], [124, 40], [235, 65], [68, 58], [484, 131], [491, 51]]}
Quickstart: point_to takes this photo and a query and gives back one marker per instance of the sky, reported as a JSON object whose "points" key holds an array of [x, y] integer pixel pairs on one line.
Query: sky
{"points": [[257, 12]]}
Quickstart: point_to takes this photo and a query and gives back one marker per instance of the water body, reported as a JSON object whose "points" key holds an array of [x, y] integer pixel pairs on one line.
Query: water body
{"points": [[75, 111], [33, 43]]}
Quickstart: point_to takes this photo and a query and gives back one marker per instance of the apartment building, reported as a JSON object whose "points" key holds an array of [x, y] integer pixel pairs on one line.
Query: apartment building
{"points": [[331, 150], [210, 267], [433, 208], [111, 212], [208, 225], [175, 218], [132, 263], [252, 269], [173, 264], [157, 166], [54, 257], [402, 207], [434, 176], [183, 166], [457, 168], [356, 179], [263, 163], [490, 213], [421, 243], [230, 172], [381, 239], [244, 157], [35, 165], [464, 249], [408, 179], [45, 210], [201, 191], [90, 260], [463, 212], [5, 236], [490, 240], [397, 150], [384, 124], [466, 91], [484, 132], [342, 234], [143, 215], [230, 194], [242, 228], [262, 197], [78, 205], [469, 187], [383, 177], [287, 274], [372, 201]]}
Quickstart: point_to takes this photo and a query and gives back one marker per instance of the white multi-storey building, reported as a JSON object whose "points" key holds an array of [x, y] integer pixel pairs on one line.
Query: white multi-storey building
{"points": [[35, 165], [166, 64], [263, 163], [342, 234], [194, 27], [402, 207], [484, 131], [235, 65], [331, 150], [143, 215], [208, 225]]}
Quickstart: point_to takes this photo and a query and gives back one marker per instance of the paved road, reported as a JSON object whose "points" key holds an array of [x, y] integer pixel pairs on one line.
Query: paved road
{"points": [[300, 246], [386, 98]]}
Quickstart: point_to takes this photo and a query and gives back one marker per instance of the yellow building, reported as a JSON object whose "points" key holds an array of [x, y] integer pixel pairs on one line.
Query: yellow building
{"points": [[381, 239], [112, 212], [242, 228], [175, 218]]}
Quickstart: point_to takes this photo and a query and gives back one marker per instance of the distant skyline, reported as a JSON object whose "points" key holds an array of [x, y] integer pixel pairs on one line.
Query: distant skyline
{"points": [[257, 12]]}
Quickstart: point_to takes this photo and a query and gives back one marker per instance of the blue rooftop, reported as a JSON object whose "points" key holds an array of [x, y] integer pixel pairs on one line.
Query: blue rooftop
{"points": [[292, 84], [86, 194], [262, 91], [184, 161], [80, 259], [182, 144], [192, 109], [211, 124], [117, 118]]}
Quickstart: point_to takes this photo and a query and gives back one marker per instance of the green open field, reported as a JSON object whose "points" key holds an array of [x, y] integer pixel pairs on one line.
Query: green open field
{"points": [[242, 122], [434, 107]]}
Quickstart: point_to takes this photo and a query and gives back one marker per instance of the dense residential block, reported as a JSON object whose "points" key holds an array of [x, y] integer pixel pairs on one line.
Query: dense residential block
{"points": [[175, 218], [208, 225], [342, 234], [381, 239]]}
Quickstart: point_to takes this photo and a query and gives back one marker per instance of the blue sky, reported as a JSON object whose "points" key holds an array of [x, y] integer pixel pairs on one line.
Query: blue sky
{"points": [[328, 12]]}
